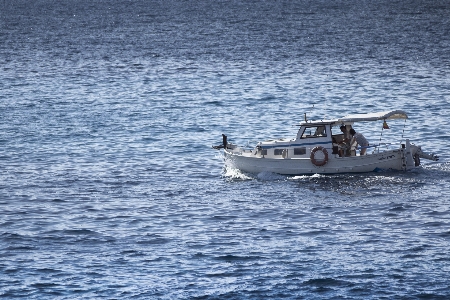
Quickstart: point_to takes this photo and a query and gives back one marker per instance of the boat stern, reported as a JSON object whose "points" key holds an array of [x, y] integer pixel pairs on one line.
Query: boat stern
{"points": [[417, 154]]}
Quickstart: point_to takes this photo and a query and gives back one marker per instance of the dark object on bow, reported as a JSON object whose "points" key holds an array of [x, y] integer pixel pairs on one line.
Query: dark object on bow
{"points": [[224, 143]]}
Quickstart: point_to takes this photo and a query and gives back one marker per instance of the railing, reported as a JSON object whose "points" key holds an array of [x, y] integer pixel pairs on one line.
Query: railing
{"points": [[379, 147]]}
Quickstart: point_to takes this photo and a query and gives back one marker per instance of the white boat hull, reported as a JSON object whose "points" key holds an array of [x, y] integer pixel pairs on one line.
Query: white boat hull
{"points": [[387, 160]]}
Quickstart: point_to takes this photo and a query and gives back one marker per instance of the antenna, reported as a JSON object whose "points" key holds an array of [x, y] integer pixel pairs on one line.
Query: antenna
{"points": [[306, 120]]}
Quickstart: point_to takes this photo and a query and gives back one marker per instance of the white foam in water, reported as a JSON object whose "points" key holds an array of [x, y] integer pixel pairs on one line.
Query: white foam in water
{"points": [[269, 176], [317, 176], [234, 173], [231, 172], [300, 177], [441, 166]]}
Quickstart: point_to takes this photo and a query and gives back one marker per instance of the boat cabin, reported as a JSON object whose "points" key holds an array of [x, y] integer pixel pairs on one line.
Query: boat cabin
{"points": [[325, 134]]}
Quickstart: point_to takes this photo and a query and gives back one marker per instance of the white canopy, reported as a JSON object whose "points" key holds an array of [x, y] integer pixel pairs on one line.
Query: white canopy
{"points": [[385, 115]]}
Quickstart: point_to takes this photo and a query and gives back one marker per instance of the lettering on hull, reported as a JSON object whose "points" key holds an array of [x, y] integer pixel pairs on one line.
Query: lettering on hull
{"points": [[386, 157]]}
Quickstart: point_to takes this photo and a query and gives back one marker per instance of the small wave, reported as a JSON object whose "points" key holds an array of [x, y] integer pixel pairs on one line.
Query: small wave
{"points": [[21, 248], [220, 274], [374, 184], [233, 173], [324, 282], [308, 177], [230, 172], [269, 176], [437, 166], [44, 285], [153, 239], [231, 258], [214, 103], [445, 234], [78, 232], [11, 236]]}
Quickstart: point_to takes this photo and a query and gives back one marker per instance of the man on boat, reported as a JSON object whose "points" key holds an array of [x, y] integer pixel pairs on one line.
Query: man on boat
{"points": [[360, 140], [344, 145]]}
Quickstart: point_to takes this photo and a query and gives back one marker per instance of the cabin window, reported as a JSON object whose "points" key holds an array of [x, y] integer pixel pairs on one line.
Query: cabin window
{"points": [[264, 152], [314, 131], [300, 151], [278, 151]]}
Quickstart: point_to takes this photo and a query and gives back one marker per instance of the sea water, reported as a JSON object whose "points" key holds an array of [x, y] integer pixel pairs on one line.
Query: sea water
{"points": [[109, 187]]}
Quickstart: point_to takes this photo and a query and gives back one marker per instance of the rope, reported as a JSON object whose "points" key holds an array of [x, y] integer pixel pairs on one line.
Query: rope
{"points": [[382, 128], [404, 125]]}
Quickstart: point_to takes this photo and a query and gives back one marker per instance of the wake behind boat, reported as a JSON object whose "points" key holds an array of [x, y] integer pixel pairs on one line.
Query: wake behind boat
{"points": [[325, 147]]}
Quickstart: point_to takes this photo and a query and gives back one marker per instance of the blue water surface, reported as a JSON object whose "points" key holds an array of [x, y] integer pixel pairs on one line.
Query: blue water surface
{"points": [[109, 187]]}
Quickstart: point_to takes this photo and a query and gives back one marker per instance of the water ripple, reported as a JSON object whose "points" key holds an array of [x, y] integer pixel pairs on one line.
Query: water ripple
{"points": [[109, 187]]}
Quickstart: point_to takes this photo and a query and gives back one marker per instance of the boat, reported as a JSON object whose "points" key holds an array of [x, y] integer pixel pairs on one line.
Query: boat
{"points": [[321, 147]]}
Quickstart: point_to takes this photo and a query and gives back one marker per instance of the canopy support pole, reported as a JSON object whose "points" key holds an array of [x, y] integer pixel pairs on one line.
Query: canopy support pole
{"points": [[379, 143], [403, 132]]}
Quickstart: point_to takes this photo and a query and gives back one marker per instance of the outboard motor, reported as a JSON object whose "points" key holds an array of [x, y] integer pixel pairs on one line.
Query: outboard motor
{"points": [[430, 156], [418, 154]]}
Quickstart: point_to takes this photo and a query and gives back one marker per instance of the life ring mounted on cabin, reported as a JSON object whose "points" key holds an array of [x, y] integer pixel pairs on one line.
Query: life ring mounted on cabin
{"points": [[322, 154]]}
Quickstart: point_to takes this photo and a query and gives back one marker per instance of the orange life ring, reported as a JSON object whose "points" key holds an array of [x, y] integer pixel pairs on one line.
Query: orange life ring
{"points": [[319, 162]]}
